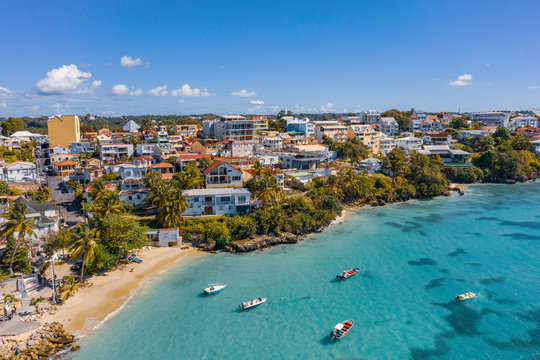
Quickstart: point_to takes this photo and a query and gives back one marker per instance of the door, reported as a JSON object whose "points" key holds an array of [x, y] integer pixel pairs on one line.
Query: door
{"points": [[209, 210]]}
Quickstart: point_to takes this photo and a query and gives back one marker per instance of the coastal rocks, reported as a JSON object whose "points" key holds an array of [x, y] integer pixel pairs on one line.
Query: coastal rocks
{"points": [[261, 242], [44, 342]]}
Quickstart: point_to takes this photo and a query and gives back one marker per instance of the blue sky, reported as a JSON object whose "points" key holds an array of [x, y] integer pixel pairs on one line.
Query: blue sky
{"points": [[262, 56]]}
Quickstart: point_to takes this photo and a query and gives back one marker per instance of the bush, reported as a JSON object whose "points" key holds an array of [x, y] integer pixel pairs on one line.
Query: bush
{"points": [[217, 232], [242, 227]]}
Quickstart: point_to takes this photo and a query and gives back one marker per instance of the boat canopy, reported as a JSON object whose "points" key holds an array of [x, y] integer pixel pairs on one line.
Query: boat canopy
{"points": [[339, 326]]}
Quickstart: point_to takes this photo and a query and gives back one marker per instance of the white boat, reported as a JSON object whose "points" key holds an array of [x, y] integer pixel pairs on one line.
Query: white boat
{"points": [[214, 289], [341, 329], [252, 303], [466, 296]]}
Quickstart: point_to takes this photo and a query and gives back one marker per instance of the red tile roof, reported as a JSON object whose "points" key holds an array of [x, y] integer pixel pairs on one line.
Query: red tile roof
{"points": [[66, 163], [161, 165], [214, 166]]}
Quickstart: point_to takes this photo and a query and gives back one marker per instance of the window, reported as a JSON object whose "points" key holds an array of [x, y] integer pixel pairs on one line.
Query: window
{"points": [[130, 197], [195, 199], [236, 178]]}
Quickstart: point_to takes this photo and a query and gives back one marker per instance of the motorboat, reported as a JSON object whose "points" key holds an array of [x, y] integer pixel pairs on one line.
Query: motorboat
{"points": [[466, 296], [214, 289], [252, 303], [348, 273], [341, 329]]}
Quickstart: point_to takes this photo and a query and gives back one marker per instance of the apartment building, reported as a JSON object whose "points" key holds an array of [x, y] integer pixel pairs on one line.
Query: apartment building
{"points": [[235, 127], [493, 118], [111, 152], [64, 129]]}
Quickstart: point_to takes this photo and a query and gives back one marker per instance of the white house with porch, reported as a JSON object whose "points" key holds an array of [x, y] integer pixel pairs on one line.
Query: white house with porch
{"points": [[220, 201]]}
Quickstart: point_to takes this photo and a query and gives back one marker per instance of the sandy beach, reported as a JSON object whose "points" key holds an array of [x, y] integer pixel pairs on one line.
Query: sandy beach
{"points": [[103, 296]]}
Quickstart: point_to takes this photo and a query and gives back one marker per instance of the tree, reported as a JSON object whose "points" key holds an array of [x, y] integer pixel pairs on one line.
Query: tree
{"points": [[265, 188], [119, 234], [241, 227], [87, 207], [170, 215], [397, 161], [190, 178], [109, 203], [17, 224], [501, 134], [4, 188], [217, 232], [68, 288], [57, 240], [12, 125], [147, 124], [459, 123], [151, 179], [17, 259], [86, 246]]}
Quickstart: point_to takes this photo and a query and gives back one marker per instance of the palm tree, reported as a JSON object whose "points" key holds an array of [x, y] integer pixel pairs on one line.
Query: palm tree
{"points": [[69, 287], [97, 190], [85, 246], [190, 178], [87, 207], [109, 203], [265, 189], [171, 214], [160, 195], [17, 223]]}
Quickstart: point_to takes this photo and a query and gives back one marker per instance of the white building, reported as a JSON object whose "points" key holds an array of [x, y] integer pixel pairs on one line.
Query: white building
{"points": [[110, 152], [58, 149], [388, 126], [221, 174], [219, 201], [234, 127], [467, 134], [406, 143], [78, 147], [370, 116], [131, 126], [20, 171], [494, 118], [303, 125], [523, 121]]}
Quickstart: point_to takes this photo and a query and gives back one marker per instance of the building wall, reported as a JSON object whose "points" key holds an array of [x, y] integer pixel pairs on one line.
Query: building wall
{"points": [[63, 130]]}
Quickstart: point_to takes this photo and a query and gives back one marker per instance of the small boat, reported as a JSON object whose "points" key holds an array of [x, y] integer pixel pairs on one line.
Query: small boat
{"points": [[347, 274], [466, 296], [214, 289], [341, 329], [252, 303]]}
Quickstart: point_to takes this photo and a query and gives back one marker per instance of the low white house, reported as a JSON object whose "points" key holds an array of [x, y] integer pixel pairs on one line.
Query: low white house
{"points": [[20, 171], [219, 201], [58, 149], [221, 174], [109, 152]]}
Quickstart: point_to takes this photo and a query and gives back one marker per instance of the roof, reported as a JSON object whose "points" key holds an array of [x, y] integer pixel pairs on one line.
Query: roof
{"points": [[23, 133], [66, 163], [216, 191], [213, 166], [20, 163], [143, 158], [161, 165], [190, 156], [167, 176]]}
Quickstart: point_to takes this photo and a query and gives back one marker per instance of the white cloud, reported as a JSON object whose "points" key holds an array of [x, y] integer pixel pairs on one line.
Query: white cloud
{"points": [[188, 91], [129, 62], [159, 91], [3, 105], [67, 79], [121, 89], [534, 87], [328, 107], [180, 101], [243, 93], [34, 108], [257, 102], [488, 65], [5, 91], [57, 107], [274, 108], [462, 80]]}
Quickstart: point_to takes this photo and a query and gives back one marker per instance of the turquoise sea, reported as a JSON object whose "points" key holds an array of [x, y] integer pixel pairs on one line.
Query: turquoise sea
{"points": [[415, 257]]}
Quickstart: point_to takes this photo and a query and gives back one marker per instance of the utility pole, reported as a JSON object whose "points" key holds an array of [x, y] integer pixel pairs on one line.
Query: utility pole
{"points": [[55, 300]]}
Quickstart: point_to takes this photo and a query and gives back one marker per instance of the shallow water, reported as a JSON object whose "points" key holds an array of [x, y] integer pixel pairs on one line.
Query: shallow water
{"points": [[415, 257]]}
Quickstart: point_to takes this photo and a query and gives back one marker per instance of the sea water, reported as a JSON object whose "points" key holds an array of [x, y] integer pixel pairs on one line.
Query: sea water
{"points": [[414, 258]]}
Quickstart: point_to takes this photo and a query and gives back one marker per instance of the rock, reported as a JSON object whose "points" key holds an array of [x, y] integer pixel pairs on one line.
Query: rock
{"points": [[75, 347], [210, 245], [62, 340], [31, 343], [510, 181], [46, 351]]}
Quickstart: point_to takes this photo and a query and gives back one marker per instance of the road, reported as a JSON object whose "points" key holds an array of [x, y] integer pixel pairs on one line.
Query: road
{"points": [[64, 201]]}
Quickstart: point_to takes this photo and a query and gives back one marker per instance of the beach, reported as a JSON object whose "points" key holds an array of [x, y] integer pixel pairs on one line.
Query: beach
{"points": [[101, 297]]}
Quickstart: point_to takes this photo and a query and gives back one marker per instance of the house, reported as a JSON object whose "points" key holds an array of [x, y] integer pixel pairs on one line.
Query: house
{"points": [[409, 143], [337, 133], [62, 157], [186, 130], [64, 129], [418, 115], [58, 149], [27, 136], [128, 171], [185, 158], [304, 126], [271, 142], [442, 138], [370, 117], [143, 161], [221, 174], [450, 157], [234, 127], [148, 135], [168, 237], [85, 175], [148, 150], [131, 126], [493, 118], [136, 198], [468, 134], [20, 171], [221, 201], [388, 126], [523, 121], [535, 146], [370, 165], [301, 160], [234, 148], [65, 168], [110, 152], [165, 169], [78, 147], [361, 132]]}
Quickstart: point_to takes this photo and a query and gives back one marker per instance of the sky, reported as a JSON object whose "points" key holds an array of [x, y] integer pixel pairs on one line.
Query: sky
{"points": [[136, 57]]}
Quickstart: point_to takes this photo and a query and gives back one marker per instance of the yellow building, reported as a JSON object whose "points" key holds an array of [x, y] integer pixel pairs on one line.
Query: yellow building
{"points": [[63, 129]]}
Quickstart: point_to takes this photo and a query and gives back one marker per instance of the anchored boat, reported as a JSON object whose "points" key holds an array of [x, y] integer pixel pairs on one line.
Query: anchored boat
{"points": [[466, 296], [347, 274], [214, 289], [252, 303], [341, 329]]}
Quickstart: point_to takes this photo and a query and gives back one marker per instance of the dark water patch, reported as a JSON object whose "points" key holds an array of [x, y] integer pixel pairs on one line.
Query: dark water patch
{"points": [[505, 301], [422, 261], [458, 251], [462, 319], [441, 349], [422, 233], [444, 271], [487, 311], [494, 280], [521, 236], [491, 218], [491, 294], [435, 283], [433, 218], [475, 264], [535, 225], [408, 227], [517, 344]]}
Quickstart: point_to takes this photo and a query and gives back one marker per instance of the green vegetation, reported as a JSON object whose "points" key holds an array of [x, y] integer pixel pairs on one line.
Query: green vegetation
{"points": [[25, 153], [16, 224], [12, 125]]}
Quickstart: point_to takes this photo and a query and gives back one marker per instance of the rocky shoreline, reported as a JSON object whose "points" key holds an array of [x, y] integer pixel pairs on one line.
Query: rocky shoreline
{"points": [[45, 342]]}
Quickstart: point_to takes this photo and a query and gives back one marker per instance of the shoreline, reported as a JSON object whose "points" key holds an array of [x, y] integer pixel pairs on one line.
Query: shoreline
{"points": [[101, 298]]}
